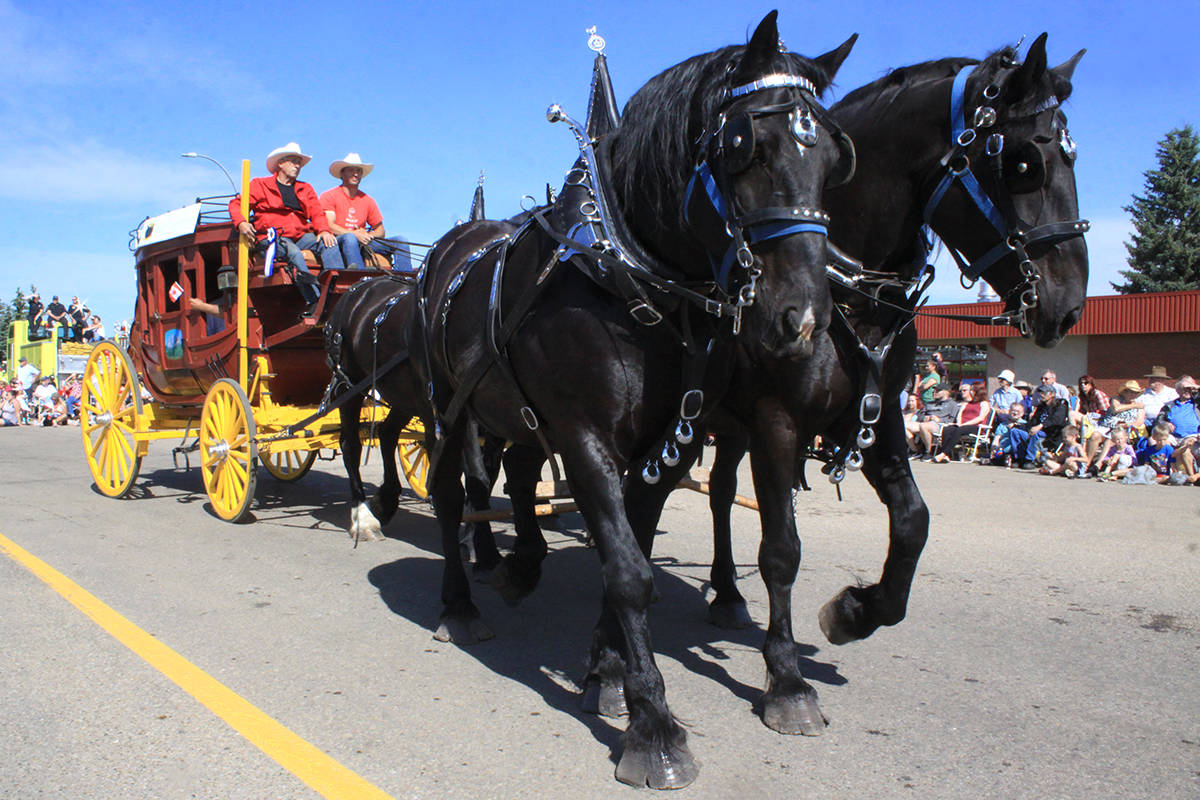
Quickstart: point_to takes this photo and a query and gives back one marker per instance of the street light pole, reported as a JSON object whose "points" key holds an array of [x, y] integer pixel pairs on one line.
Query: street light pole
{"points": [[218, 163]]}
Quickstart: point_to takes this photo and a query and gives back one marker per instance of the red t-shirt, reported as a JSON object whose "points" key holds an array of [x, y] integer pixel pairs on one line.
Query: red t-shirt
{"points": [[351, 214], [268, 210]]}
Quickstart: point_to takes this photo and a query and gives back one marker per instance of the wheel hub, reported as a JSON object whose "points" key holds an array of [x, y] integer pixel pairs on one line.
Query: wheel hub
{"points": [[219, 450], [104, 419]]}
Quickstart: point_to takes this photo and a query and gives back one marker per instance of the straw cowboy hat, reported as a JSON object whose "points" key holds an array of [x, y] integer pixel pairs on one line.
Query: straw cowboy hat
{"points": [[351, 160], [1157, 372], [1131, 386], [289, 149]]}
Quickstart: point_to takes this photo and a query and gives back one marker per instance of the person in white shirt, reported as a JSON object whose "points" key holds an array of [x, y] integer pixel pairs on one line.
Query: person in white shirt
{"points": [[1050, 379], [1158, 393]]}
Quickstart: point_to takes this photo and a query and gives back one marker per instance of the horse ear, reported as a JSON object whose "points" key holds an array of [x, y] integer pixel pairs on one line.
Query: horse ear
{"points": [[1066, 69], [831, 62], [765, 41], [1031, 70]]}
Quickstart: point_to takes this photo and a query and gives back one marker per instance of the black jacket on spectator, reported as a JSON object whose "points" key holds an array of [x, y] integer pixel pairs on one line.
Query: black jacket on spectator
{"points": [[1052, 416]]}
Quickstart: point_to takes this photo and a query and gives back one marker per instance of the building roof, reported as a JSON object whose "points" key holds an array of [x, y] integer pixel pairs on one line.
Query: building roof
{"points": [[1155, 312]]}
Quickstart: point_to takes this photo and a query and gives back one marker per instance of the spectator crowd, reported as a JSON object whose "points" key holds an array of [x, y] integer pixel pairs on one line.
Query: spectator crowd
{"points": [[76, 322], [1140, 435], [29, 398]]}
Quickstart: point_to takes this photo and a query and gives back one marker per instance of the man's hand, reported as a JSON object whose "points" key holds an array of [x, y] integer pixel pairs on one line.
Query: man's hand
{"points": [[327, 239], [247, 232], [363, 236]]}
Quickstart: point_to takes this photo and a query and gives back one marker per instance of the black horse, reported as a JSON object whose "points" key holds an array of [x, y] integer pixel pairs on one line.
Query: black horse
{"points": [[980, 153], [579, 331], [366, 343]]}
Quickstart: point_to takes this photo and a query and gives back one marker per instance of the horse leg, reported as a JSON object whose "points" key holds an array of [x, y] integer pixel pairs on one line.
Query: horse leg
{"points": [[387, 499], [789, 703], [655, 746], [856, 611], [728, 607], [477, 536], [459, 621], [604, 687], [364, 525], [518, 574]]}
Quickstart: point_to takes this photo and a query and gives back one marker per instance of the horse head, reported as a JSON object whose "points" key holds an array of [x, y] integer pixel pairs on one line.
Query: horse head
{"points": [[722, 164], [1013, 160]]}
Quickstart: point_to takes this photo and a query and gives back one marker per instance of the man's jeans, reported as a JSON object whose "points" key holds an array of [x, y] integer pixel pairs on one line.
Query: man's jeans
{"points": [[351, 250], [1024, 446], [290, 250]]}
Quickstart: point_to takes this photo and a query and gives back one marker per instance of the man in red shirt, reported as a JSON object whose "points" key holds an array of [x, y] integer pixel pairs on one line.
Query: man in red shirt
{"points": [[293, 210], [353, 215]]}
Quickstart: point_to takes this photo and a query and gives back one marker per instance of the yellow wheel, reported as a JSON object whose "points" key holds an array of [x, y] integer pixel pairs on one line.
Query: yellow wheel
{"points": [[288, 465], [110, 403], [413, 458], [228, 454]]}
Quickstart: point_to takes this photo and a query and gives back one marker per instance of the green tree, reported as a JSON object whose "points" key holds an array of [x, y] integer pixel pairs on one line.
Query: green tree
{"points": [[1165, 253], [9, 312]]}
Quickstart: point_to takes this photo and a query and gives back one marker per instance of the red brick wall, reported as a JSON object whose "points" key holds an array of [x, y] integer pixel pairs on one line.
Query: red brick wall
{"points": [[1112, 360]]}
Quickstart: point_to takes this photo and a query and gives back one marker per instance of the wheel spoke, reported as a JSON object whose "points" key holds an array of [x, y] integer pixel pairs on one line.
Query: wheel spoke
{"points": [[97, 442], [126, 446], [238, 471]]}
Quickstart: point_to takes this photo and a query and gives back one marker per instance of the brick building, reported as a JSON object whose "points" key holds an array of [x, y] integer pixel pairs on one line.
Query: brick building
{"points": [[1119, 337]]}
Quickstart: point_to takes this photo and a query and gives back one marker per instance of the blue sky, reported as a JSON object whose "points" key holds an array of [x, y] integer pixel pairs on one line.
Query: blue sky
{"points": [[101, 98]]}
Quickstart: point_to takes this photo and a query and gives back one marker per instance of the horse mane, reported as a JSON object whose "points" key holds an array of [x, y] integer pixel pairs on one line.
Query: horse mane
{"points": [[887, 88], [654, 147]]}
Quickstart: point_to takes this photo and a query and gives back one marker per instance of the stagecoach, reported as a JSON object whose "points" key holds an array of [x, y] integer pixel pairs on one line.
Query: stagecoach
{"points": [[244, 380]]}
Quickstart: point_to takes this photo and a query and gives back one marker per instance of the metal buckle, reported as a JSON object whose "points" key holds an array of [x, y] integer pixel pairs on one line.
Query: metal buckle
{"points": [[529, 417], [995, 144], [692, 404], [644, 313], [869, 408]]}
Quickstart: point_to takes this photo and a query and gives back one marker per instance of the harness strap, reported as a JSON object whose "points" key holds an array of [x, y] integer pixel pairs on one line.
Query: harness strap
{"points": [[479, 368]]}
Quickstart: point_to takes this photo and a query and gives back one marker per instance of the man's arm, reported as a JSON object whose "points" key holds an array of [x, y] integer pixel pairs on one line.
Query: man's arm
{"points": [[307, 196]]}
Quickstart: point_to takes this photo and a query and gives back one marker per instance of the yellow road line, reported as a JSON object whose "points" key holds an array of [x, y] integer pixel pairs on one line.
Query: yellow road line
{"points": [[325, 775]]}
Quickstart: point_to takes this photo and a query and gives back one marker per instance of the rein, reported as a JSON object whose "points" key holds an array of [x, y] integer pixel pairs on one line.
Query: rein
{"points": [[1015, 235]]}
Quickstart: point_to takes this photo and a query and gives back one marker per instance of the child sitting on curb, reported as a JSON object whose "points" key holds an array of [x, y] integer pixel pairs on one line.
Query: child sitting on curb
{"points": [[1069, 459], [1186, 463], [1158, 452], [1118, 458], [1001, 445]]}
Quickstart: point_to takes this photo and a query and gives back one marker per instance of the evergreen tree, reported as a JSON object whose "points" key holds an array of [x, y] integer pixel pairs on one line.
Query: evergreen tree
{"points": [[9, 312], [1165, 253]]}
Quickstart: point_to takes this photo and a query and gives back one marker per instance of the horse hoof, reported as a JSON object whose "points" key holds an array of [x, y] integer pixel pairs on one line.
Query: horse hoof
{"points": [[794, 714], [605, 699], [731, 616], [843, 619], [462, 631], [513, 583], [364, 526], [670, 767]]}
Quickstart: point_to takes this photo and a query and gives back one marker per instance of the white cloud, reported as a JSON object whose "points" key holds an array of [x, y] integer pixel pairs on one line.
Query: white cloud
{"points": [[67, 172], [46, 52]]}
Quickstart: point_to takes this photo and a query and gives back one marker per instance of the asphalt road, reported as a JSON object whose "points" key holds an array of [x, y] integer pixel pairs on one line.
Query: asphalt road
{"points": [[1051, 648]]}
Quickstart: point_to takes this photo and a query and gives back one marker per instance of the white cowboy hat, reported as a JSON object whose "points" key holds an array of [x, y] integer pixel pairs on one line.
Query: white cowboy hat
{"points": [[289, 149], [351, 160]]}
